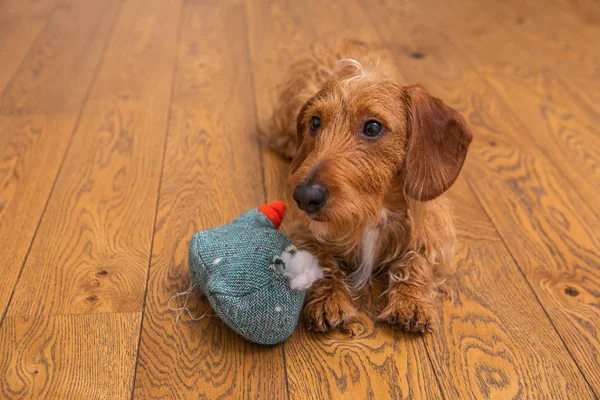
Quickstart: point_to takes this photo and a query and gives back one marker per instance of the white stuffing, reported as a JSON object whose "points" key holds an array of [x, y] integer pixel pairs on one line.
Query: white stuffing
{"points": [[301, 269], [277, 309], [217, 260]]}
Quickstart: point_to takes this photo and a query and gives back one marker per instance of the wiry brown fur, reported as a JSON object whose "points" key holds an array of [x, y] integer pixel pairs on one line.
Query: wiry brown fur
{"points": [[384, 191]]}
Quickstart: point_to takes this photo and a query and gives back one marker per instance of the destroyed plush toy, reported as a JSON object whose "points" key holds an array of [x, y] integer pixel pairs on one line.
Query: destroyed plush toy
{"points": [[253, 276]]}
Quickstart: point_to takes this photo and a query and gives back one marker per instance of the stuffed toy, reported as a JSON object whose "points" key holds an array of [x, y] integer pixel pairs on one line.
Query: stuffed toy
{"points": [[252, 275]]}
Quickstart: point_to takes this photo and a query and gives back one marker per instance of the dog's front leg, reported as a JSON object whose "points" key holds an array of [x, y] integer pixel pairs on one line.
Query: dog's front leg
{"points": [[328, 302], [410, 294]]}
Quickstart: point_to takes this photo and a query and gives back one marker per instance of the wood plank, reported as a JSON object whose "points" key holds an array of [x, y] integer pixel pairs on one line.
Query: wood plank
{"points": [[211, 175], [559, 123], [556, 249], [469, 350], [560, 25], [20, 24], [547, 229], [373, 361], [27, 169], [376, 361], [489, 338], [494, 326], [558, 35], [68, 356], [93, 245], [273, 46], [67, 53]]}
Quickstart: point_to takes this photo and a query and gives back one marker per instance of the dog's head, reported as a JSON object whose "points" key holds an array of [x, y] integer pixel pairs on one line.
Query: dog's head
{"points": [[364, 139]]}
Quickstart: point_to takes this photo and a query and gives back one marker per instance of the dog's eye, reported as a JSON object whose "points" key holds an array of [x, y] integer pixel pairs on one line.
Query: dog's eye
{"points": [[315, 123], [372, 128]]}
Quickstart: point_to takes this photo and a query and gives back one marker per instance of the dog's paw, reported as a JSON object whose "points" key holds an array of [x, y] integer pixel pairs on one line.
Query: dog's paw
{"points": [[328, 312], [410, 313]]}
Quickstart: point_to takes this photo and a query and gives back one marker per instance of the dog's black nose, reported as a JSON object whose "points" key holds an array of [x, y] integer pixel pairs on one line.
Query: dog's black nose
{"points": [[310, 197]]}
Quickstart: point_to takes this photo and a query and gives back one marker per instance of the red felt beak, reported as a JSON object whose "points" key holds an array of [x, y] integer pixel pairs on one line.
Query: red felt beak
{"points": [[275, 211]]}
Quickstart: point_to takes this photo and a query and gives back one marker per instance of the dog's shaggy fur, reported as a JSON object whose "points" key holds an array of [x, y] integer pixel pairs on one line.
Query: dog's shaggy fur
{"points": [[386, 211]]}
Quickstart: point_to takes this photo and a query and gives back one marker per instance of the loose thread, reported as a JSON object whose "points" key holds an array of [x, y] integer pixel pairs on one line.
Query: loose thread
{"points": [[184, 307]]}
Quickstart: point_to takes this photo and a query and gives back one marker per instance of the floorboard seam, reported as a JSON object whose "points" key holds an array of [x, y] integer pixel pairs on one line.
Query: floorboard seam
{"points": [[260, 151], [534, 294], [165, 141], [437, 378], [65, 155], [454, 40]]}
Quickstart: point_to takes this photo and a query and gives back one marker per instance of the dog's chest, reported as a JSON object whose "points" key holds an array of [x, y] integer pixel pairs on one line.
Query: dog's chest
{"points": [[364, 259], [369, 247], [369, 252], [379, 245]]}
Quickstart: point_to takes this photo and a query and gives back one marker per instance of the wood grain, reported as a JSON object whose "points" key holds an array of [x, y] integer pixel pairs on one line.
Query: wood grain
{"points": [[27, 171], [272, 45], [373, 361], [489, 338], [370, 361], [212, 157], [558, 34], [499, 322], [70, 45], [68, 356], [549, 232], [561, 126], [93, 245], [135, 184], [555, 244], [20, 24]]}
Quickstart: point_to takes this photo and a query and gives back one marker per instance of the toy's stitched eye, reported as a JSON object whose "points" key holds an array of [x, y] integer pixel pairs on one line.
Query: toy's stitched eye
{"points": [[372, 128], [315, 123]]}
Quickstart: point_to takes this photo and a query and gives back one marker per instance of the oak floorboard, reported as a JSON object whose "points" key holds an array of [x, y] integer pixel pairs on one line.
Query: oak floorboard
{"points": [[558, 121], [499, 352], [51, 78], [28, 169], [211, 174], [505, 296], [560, 35], [91, 252], [68, 356], [548, 230], [20, 24], [126, 125], [373, 361]]}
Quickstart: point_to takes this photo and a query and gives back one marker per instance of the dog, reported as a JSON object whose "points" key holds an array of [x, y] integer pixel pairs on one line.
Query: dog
{"points": [[371, 159]]}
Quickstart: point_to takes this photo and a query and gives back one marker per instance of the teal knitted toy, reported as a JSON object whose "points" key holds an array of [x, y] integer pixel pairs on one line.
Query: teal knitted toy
{"points": [[252, 275]]}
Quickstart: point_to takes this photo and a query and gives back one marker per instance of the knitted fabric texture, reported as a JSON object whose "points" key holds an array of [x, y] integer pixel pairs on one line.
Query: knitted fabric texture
{"points": [[234, 265]]}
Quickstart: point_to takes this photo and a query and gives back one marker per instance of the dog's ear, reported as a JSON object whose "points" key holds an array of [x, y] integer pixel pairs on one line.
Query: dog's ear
{"points": [[437, 144], [301, 150]]}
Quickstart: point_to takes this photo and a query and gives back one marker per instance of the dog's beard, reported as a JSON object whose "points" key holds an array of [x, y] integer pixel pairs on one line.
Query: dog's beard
{"points": [[355, 198], [342, 224]]}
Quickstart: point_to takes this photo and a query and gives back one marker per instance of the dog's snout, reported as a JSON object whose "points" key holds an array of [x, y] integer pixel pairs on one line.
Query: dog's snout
{"points": [[310, 197]]}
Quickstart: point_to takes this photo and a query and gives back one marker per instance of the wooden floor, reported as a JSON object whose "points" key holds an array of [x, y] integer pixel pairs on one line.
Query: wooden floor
{"points": [[126, 125]]}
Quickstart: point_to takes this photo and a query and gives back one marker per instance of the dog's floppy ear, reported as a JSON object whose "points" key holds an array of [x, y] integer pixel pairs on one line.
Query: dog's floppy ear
{"points": [[301, 151], [437, 144]]}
